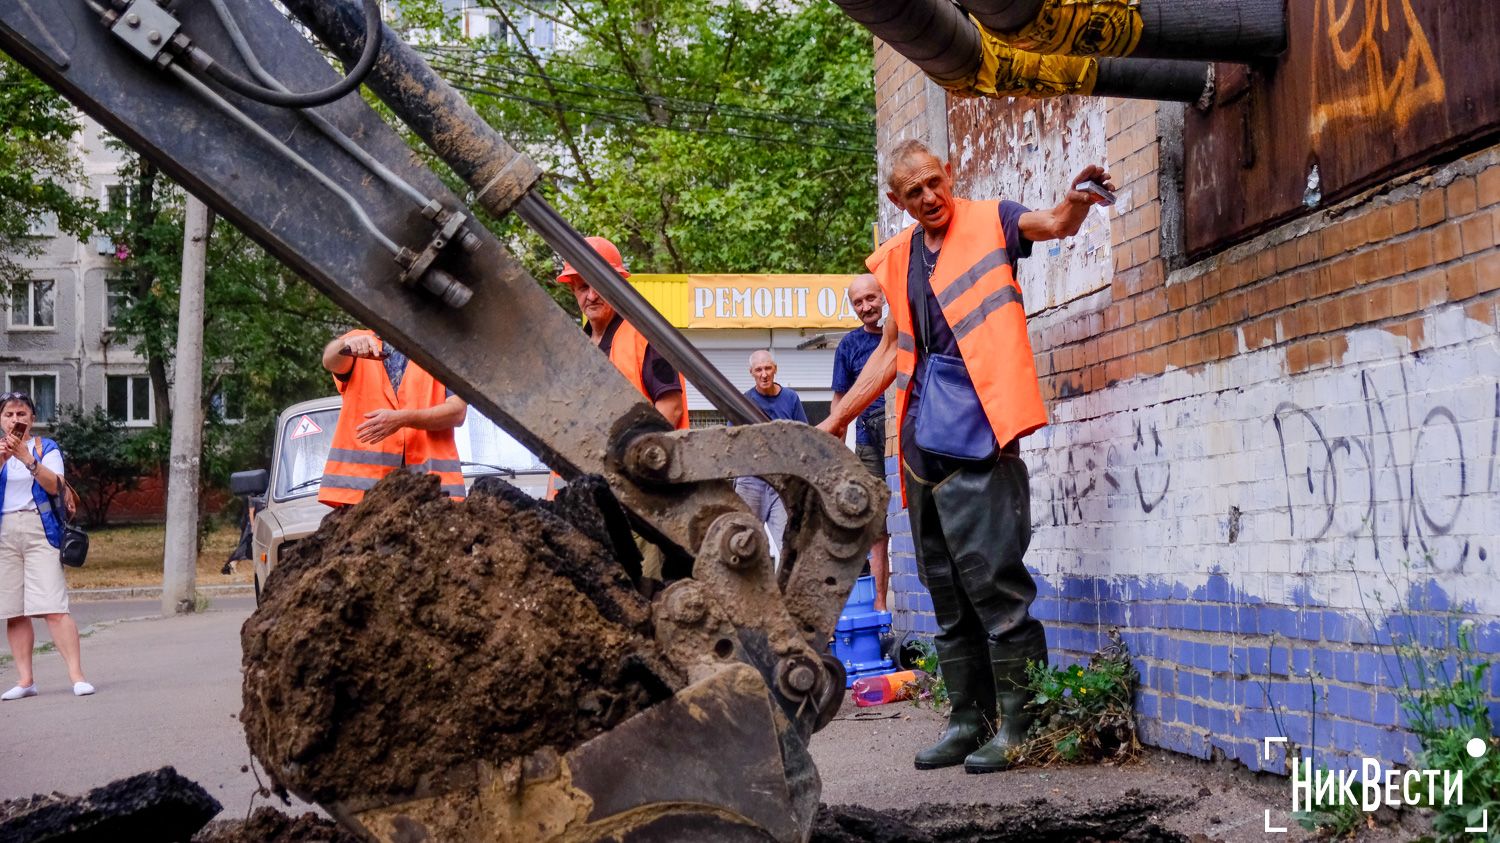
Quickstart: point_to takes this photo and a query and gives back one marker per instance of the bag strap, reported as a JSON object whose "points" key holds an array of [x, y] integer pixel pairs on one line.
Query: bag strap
{"points": [[66, 496], [924, 327]]}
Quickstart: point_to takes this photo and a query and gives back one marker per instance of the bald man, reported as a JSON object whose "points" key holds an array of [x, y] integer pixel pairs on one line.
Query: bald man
{"points": [[778, 402], [849, 360]]}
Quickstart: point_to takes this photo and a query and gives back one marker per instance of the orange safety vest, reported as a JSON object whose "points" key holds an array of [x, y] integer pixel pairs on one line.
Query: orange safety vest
{"points": [[981, 300], [353, 467], [628, 352]]}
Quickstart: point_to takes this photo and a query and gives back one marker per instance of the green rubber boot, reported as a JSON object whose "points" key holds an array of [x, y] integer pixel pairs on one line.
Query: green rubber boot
{"points": [[970, 721], [1015, 722]]}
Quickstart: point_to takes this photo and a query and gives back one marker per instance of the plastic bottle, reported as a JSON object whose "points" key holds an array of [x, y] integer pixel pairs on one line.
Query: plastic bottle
{"points": [[879, 690]]}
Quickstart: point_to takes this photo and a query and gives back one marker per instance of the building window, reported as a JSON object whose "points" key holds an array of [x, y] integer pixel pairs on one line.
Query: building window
{"points": [[43, 225], [43, 392], [228, 400], [31, 304], [117, 297], [128, 399]]}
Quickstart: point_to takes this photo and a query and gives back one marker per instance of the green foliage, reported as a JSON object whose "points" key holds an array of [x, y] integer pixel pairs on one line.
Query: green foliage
{"points": [[263, 334], [1082, 714], [36, 166], [929, 689], [102, 459], [1444, 697], [700, 137]]}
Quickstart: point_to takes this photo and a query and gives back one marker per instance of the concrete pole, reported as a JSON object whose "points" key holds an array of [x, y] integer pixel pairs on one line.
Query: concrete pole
{"points": [[180, 560]]}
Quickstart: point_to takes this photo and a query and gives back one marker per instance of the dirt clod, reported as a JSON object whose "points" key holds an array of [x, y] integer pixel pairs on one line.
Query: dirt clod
{"points": [[412, 633], [268, 825], [159, 805], [1129, 820]]}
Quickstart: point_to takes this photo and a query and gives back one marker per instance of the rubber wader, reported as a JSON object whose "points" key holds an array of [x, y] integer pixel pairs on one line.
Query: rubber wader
{"points": [[971, 532]]}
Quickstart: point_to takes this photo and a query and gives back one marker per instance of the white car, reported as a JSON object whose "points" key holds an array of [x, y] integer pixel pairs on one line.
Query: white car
{"points": [[286, 498]]}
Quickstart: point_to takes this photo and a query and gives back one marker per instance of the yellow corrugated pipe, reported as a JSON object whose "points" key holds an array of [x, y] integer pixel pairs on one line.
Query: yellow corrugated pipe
{"points": [[1005, 71], [1080, 28]]}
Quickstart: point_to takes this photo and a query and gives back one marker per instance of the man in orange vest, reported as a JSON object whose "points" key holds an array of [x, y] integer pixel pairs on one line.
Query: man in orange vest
{"points": [[395, 415], [647, 371], [957, 330], [633, 356]]}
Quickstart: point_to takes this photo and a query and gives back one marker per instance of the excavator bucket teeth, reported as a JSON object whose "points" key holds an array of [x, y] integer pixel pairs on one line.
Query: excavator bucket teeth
{"points": [[715, 762]]}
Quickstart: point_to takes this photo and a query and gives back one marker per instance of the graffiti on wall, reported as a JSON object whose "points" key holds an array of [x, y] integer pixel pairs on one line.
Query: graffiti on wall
{"points": [[1393, 472], [1404, 477], [1386, 70]]}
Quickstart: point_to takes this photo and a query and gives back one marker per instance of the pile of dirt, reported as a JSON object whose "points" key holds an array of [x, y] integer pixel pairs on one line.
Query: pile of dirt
{"points": [[413, 633], [160, 805], [268, 825], [1133, 818]]}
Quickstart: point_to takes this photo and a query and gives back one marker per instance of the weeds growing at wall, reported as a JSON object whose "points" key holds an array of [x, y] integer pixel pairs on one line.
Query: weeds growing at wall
{"points": [[1083, 713], [1444, 697], [929, 689]]}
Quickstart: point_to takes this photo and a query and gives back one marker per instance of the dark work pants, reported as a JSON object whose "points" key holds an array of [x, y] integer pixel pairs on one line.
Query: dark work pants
{"points": [[971, 530]]}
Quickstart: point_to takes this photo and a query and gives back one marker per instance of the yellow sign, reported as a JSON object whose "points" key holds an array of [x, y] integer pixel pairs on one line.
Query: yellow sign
{"points": [[770, 301]]}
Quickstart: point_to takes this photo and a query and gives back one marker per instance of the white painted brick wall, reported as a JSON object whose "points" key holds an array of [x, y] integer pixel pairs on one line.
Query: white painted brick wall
{"points": [[1163, 511]]}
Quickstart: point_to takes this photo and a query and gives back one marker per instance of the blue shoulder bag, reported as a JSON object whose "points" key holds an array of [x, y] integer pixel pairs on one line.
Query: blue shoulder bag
{"points": [[950, 420]]}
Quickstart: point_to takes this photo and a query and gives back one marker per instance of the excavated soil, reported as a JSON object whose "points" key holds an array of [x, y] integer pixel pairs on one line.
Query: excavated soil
{"points": [[412, 633], [268, 825], [1130, 819]]}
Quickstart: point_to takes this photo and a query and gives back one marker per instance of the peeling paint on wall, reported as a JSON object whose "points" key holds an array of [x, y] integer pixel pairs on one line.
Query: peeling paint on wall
{"points": [[1029, 151]]}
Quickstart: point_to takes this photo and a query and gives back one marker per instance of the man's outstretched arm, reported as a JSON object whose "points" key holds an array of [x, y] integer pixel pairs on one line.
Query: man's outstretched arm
{"points": [[878, 373], [1065, 219]]}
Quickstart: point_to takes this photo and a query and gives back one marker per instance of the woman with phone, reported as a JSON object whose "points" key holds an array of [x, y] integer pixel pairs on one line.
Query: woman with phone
{"points": [[31, 577]]}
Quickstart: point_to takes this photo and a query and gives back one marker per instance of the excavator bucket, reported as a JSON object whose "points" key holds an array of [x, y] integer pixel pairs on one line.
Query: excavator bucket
{"points": [[712, 763]]}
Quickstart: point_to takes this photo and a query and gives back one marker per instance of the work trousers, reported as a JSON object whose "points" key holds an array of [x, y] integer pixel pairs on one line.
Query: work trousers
{"points": [[971, 530]]}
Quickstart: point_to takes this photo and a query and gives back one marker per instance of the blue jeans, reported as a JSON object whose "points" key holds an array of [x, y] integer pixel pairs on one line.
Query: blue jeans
{"points": [[765, 505]]}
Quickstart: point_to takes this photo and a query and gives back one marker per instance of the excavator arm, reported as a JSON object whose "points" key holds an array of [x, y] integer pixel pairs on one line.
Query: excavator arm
{"points": [[335, 193]]}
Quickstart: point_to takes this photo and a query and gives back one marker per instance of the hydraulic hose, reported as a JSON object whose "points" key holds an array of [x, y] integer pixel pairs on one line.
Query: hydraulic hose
{"points": [[272, 96]]}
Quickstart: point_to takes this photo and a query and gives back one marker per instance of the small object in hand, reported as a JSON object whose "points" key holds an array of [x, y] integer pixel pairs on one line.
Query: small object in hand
{"points": [[379, 355], [1090, 186]]}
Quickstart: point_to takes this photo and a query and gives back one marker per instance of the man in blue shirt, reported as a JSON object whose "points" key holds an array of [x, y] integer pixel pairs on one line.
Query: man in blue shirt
{"points": [[849, 359], [869, 429], [778, 402]]}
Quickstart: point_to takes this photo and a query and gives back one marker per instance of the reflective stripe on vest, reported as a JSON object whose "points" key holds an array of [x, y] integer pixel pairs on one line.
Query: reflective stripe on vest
{"points": [[354, 468], [976, 289]]}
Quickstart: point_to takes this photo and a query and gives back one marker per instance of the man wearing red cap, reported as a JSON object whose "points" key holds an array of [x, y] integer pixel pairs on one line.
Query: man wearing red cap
{"points": [[648, 371]]}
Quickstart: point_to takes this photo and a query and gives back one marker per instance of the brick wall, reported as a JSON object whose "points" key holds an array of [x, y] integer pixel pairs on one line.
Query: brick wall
{"points": [[1268, 466]]}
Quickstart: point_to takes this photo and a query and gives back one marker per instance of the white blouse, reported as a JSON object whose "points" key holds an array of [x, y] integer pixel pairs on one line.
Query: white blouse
{"points": [[18, 480]]}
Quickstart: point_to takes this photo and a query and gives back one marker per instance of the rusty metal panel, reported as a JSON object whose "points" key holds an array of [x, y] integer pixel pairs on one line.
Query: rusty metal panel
{"points": [[1029, 151], [1366, 90]]}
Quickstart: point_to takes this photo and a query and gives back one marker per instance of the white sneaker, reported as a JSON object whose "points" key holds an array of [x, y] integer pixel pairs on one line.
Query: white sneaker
{"points": [[19, 692], [81, 689]]}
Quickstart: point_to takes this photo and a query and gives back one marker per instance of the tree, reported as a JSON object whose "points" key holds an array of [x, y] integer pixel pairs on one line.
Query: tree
{"points": [[264, 330], [36, 167], [702, 137], [100, 458]]}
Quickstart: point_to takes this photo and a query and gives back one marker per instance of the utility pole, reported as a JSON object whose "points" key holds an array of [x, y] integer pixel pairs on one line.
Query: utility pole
{"points": [[180, 559]]}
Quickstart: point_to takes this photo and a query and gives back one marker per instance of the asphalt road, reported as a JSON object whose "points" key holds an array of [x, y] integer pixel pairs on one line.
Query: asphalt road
{"points": [[169, 694], [87, 613]]}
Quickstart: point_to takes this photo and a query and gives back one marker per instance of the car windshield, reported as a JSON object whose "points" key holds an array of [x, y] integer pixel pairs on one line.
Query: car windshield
{"points": [[482, 446], [304, 448]]}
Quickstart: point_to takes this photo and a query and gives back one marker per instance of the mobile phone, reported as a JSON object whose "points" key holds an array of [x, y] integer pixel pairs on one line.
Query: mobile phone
{"points": [[1091, 186], [20, 431]]}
